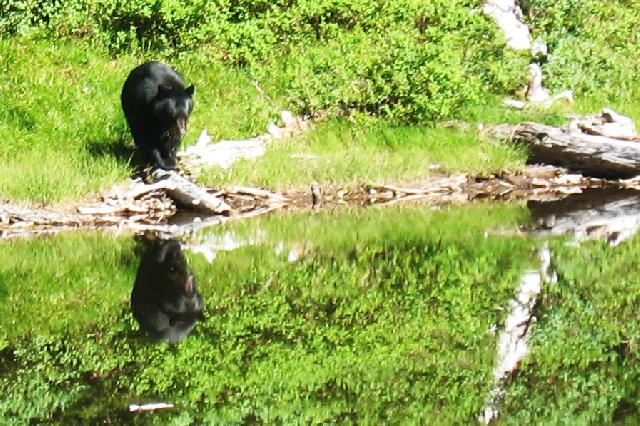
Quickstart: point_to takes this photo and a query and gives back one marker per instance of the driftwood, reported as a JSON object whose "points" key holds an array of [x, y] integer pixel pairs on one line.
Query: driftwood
{"points": [[609, 123], [603, 147], [142, 207], [190, 195], [225, 153], [593, 155], [136, 198]]}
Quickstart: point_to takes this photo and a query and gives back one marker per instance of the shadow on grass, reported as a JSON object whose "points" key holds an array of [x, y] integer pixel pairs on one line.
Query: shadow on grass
{"points": [[122, 150]]}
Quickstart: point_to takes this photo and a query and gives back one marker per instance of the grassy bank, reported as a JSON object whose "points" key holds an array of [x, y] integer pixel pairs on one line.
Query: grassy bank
{"points": [[66, 137], [65, 133], [386, 75], [337, 152]]}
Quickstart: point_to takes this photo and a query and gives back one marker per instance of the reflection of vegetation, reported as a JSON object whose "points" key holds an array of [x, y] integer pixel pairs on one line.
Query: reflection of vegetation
{"points": [[378, 322], [46, 279], [584, 366]]}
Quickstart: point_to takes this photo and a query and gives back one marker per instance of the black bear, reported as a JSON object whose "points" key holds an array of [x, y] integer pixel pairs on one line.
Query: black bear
{"points": [[165, 299], [157, 106]]}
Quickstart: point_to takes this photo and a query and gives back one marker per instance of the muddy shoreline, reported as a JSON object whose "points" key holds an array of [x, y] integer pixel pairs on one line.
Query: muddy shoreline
{"points": [[535, 183]]}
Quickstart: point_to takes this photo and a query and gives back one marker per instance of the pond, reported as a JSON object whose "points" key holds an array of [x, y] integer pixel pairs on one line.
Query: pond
{"points": [[366, 315]]}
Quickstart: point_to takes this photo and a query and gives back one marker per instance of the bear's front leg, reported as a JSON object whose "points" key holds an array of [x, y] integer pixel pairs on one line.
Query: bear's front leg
{"points": [[166, 163]]}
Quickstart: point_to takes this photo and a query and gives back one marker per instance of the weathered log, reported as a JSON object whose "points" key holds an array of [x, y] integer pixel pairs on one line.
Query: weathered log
{"points": [[597, 156], [189, 194], [609, 123], [225, 153]]}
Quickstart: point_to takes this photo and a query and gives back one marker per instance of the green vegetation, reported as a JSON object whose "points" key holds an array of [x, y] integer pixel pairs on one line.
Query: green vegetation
{"points": [[378, 71], [46, 278], [584, 366], [57, 139], [340, 153], [385, 322], [379, 63], [408, 61], [384, 316], [593, 48]]}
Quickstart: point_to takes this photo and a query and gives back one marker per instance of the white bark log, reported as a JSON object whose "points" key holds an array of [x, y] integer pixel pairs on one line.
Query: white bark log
{"points": [[537, 93], [508, 16], [189, 194], [225, 153], [592, 155], [609, 123]]}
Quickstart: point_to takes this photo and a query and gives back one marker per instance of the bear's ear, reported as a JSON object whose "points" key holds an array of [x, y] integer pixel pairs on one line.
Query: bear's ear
{"points": [[163, 90], [189, 90]]}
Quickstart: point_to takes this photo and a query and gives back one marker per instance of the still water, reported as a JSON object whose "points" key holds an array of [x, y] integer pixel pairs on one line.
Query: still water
{"points": [[377, 315]]}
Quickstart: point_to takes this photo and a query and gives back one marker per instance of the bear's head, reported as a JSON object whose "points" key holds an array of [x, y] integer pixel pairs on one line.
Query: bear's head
{"points": [[172, 107]]}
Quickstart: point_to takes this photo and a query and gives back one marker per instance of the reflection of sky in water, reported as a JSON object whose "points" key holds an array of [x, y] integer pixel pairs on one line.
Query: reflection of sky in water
{"points": [[210, 244]]}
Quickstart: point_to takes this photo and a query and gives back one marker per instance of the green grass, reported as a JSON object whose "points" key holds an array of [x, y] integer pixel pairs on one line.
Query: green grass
{"points": [[65, 137], [58, 122], [338, 152], [384, 322]]}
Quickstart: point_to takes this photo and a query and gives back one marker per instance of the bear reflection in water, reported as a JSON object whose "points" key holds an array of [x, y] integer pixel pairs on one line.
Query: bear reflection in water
{"points": [[165, 300]]}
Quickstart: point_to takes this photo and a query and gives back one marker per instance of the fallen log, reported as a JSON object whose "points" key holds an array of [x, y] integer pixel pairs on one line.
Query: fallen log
{"points": [[189, 194], [592, 155], [225, 153]]}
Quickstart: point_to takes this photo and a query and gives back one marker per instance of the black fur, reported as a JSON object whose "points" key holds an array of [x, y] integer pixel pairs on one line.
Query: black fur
{"points": [[165, 299], [157, 106]]}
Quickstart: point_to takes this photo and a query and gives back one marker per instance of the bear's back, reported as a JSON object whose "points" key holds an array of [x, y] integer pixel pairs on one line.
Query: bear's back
{"points": [[142, 84]]}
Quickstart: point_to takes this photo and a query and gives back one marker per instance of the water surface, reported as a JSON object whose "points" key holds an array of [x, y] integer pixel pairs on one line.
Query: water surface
{"points": [[359, 316]]}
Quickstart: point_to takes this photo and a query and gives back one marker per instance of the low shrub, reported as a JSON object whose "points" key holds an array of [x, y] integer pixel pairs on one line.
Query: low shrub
{"points": [[593, 45], [408, 61]]}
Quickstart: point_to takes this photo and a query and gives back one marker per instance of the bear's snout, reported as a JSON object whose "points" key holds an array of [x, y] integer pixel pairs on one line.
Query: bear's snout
{"points": [[181, 125]]}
